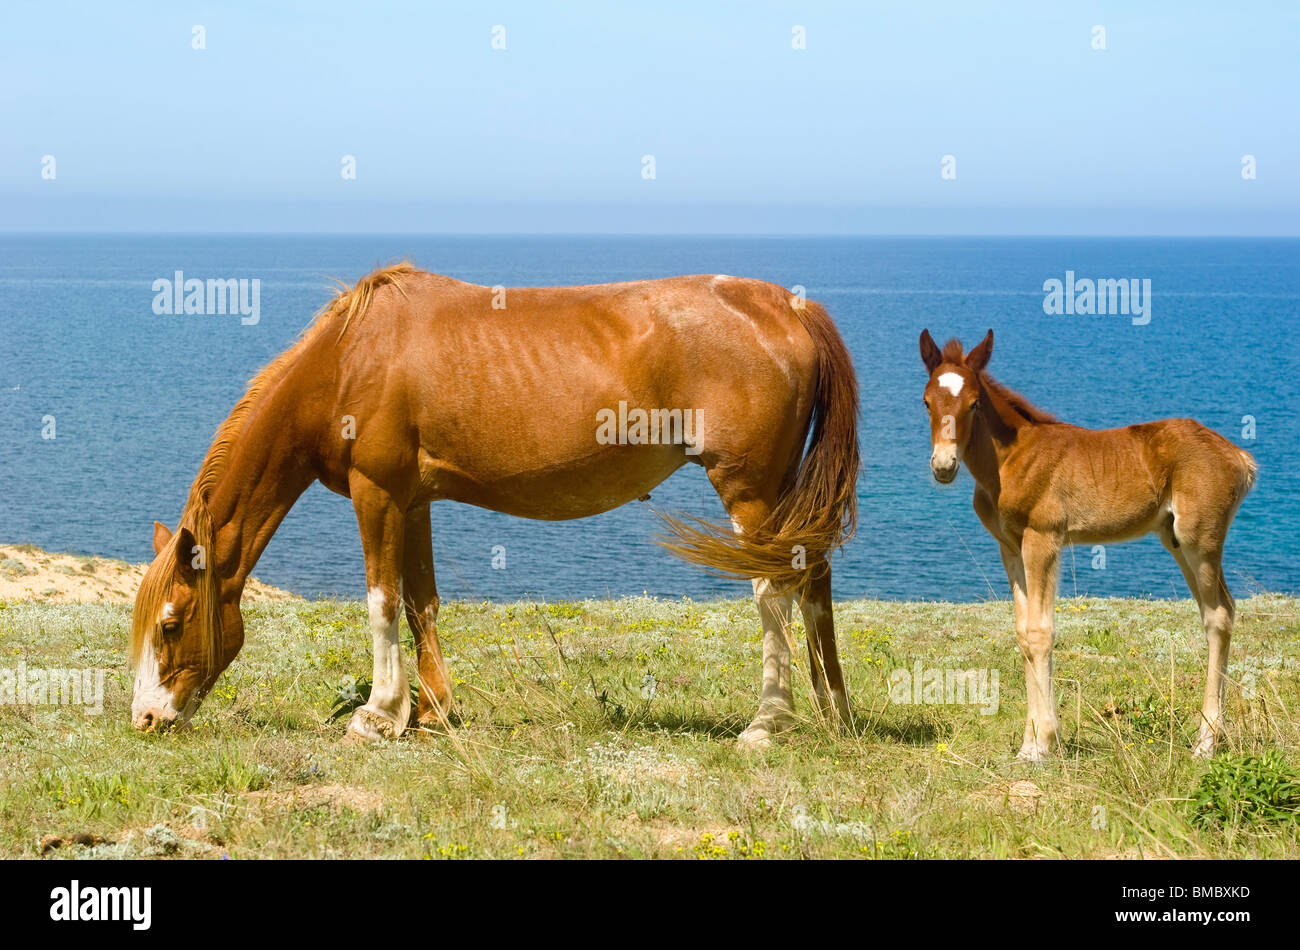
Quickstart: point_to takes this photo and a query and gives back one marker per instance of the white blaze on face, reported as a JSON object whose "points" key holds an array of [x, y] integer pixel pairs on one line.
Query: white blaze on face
{"points": [[150, 694], [952, 382]]}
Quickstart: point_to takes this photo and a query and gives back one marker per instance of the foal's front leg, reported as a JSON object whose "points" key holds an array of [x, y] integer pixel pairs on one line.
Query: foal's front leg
{"points": [[385, 714], [1040, 556]]}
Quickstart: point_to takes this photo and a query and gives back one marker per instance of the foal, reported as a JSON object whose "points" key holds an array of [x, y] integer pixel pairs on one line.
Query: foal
{"points": [[1041, 484]]}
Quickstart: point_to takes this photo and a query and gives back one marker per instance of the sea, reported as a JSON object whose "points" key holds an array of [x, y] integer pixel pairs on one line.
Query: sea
{"points": [[107, 407]]}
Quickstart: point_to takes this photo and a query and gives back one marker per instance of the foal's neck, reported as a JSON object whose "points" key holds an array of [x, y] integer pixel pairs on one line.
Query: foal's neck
{"points": [[995, 430]]}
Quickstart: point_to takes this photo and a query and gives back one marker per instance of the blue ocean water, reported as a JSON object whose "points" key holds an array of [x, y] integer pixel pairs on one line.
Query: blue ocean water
{"points": [[136, 396]]}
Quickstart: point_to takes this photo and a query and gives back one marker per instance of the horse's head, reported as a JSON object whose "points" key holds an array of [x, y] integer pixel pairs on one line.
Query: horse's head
{"points": [[952, 398], [182, 633]]}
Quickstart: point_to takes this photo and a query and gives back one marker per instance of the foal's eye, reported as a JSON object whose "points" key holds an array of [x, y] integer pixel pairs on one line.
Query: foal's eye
{"points": [[171, 627]]}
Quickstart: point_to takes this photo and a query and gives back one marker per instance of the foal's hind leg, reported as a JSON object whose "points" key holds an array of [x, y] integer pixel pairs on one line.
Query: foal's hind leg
{"points": [[382, 523], [1041, 554], [1217, 611], [823, 656], [1203, 570], [421, 593]]}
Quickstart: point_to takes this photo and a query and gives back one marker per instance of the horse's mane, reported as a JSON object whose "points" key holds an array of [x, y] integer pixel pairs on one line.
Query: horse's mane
{"points": [[348, 303]]}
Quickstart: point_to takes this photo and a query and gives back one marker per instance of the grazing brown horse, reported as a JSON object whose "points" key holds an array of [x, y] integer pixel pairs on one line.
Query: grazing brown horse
{"points": [[410, 387], [1041, 484]]}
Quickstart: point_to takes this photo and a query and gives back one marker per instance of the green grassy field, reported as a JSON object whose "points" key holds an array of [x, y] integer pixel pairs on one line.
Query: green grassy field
{"points": [[606, 729]]}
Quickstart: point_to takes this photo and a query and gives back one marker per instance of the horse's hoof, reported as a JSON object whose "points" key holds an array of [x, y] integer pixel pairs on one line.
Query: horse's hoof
{"points": [[755, 738], [1205, 748], [432, 722], [367, 725]]}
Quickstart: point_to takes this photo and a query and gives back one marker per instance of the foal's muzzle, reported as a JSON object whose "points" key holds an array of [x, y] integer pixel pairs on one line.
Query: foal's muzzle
{"points": [[944, 466]]}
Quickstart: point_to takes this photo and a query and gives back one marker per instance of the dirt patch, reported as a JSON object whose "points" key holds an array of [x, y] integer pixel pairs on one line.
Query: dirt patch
{"points": [[1021, 796], [52, 842], [28, 573], [305, 797]]}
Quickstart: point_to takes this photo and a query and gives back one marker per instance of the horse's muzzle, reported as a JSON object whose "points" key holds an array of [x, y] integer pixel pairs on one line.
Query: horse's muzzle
{"points": [[154, 720]]}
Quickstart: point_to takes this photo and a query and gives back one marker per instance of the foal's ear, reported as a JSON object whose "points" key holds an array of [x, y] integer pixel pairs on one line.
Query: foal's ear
{"points": [[161, 535], [930, 354], [978, 358]]}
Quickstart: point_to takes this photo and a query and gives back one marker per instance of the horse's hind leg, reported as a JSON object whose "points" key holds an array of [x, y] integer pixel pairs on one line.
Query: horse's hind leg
{"points": [[421, 594], [382, 525], [776, 701], [823, 656]]}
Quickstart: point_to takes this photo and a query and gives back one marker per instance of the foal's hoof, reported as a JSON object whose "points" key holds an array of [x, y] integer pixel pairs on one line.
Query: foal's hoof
{"points": [[367, 725], [1033, 752], [1205, 747]]}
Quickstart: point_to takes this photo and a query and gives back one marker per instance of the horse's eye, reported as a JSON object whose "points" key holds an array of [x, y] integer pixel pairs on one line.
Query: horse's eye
{"points": [[171, 627]]}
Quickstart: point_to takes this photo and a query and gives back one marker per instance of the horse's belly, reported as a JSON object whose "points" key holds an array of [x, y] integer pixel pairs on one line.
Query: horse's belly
{"points": [[577, 488]]}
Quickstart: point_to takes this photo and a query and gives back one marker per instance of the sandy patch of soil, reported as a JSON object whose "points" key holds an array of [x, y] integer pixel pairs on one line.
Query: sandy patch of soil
{"points": [[304, 797], [28, 573]]}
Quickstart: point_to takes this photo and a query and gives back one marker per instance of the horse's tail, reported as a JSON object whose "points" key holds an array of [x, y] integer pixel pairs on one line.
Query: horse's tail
{"points": [[818, 511]]}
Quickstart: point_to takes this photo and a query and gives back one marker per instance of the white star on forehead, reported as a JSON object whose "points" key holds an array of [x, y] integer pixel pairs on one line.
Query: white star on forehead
{"points": [[952, 382]]}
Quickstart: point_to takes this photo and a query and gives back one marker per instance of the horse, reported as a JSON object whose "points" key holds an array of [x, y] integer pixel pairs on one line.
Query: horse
{"points": [[411, 387], [1041, 484]]}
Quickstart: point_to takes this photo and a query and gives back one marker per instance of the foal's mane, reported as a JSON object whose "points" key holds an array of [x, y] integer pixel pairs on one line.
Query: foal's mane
{"points": [[349, 303], [953, 353]]}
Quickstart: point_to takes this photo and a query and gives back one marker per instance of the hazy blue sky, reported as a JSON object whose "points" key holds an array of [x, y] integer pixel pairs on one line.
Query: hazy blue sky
{"points": [[748, 134]]}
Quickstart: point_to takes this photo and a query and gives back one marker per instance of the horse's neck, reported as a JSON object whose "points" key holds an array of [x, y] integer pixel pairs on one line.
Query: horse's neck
{"points": [[263, 478]]}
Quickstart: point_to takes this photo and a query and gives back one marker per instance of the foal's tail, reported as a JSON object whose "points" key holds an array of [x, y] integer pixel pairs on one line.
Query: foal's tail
{"points": [[818, 512], [1249, 470]]}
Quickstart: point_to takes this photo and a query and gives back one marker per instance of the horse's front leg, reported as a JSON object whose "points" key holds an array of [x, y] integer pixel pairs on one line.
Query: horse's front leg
{"points": [[421, 592], [382, 523], [1040, 554]]}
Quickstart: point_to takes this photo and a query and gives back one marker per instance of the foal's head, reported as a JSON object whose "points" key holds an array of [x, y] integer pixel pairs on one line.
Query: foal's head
{"points": [[952, 397], [182, 633]]}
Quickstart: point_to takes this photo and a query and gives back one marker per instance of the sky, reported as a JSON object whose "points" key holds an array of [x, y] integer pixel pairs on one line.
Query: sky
{"points": [[1046, 133]]}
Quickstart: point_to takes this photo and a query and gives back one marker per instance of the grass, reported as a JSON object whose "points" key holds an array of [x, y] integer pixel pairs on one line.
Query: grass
{"points": [[606, 729]]}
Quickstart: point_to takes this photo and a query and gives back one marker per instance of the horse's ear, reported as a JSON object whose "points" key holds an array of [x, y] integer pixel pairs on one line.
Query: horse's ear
{"points": [[978, 358], [161, 535], [185, 554], [930, 354]]}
